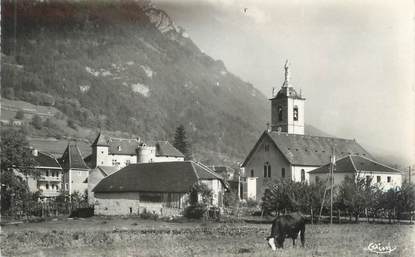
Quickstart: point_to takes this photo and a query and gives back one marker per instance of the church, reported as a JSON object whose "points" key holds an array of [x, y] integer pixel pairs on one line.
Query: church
{"points": [[284, 151]]}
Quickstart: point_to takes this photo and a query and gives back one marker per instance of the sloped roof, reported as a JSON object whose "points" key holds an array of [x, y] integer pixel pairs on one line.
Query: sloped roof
{"points": [[164, 148], [46, 160], [129, 146], [108, 170], [287, 92], [174, 177], [305, 150], [354, 163], [57, 147], [72, 158]]}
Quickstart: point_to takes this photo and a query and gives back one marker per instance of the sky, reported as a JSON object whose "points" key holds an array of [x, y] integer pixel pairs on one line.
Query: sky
{"points": [[353, 60]]}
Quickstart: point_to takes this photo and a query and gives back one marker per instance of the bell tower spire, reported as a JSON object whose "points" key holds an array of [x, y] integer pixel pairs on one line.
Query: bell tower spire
{"points": [[287, 74], [287, 107]]}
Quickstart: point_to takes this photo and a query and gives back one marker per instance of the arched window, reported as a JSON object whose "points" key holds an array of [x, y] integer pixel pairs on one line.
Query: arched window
{"points": [[302, 175], [295, 113], [252, 173], [267, 170], [279, 113]]}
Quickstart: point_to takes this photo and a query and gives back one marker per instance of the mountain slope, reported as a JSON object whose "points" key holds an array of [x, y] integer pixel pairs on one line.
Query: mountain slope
{"points": [[126, 66]]}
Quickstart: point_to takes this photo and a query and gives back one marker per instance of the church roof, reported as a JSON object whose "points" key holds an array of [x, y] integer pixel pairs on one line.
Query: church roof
{"points": [[288, 92], [355, 163], [156, 177], [305, 150]]}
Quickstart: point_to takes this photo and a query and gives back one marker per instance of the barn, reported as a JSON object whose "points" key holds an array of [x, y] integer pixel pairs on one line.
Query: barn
{"points": [[160, 187]]}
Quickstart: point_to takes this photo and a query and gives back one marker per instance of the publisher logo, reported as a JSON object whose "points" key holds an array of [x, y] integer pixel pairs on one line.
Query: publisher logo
{"points": [[381, 248]]}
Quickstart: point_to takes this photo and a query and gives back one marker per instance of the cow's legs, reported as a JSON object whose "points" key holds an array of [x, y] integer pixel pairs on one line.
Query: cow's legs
{"points": [[302, 236]]}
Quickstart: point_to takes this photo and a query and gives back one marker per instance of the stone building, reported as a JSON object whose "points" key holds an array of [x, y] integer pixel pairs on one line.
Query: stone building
{"points": [[120, 152], [159, 187], [75, 170]]}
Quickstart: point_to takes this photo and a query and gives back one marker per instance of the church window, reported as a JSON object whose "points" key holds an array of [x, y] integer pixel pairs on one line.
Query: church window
{"points": [[47, 186], [279, 113], [47, 173], [252, 173], [389, 179], [295, 113], [119, 148], [266, 147], [283, 172], [302, 175], [267, 170], [378, 179]]}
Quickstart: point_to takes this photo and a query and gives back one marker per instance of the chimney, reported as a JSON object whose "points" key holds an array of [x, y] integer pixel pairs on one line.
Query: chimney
{"points": [[35, 152]]}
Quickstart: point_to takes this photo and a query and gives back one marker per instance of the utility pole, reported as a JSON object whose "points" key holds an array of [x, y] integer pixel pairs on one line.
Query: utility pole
{"points": [[332, 163], [410, 171]]}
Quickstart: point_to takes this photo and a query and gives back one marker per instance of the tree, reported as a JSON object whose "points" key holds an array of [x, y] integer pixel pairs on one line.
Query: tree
{"points": [[180, 142], [15, 159], [353, 194], [19, 115], [37, 122], [14, 151]]}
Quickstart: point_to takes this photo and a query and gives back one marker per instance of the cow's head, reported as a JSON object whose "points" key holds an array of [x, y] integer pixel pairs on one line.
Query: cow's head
{"points": [[271, 242]]}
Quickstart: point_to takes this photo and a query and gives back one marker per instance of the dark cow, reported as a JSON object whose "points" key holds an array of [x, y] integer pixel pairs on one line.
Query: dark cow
{"points": [[286, 226]]}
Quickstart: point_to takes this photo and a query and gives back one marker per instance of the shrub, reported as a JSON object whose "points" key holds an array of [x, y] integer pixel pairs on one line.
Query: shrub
{"points": [[195, 211], [37, 122], [149, 215], [19, 115]]}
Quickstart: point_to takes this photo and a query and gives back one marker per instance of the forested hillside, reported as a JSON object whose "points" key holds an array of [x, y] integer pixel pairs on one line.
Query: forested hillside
{"points": [[124, 65]]}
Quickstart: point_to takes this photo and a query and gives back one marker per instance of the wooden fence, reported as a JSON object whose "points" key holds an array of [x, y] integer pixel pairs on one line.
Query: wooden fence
{"points": [[44, 209]]}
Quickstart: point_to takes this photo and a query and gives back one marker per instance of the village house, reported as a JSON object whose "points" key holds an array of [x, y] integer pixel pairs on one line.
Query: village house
{"points": [[75, 171], [159, 187], [379, 174], [120, 152], [49, 179], [283, 151]]}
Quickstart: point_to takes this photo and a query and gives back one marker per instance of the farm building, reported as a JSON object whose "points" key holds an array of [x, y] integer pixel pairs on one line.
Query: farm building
{"points": [[75, 171], [120, 152], [284, 151], [380, 174], [155, 187]]}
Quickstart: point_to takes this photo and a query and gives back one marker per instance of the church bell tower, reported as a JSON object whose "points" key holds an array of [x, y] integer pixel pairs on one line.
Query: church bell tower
{"points": [[287, 107]]}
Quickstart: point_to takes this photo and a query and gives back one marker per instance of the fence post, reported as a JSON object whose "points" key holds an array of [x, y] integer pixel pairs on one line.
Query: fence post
{"points": [[338, 212], [311, 211]]}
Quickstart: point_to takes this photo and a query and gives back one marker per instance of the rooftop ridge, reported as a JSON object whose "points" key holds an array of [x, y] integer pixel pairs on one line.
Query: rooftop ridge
{"points": [[378, 163], [298, 135]]}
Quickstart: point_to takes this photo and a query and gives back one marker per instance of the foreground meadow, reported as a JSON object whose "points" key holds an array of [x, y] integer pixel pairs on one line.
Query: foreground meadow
{"points": [[135, 237]]}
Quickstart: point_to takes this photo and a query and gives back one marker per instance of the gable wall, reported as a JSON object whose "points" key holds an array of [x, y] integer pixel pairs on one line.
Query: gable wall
{"points": [[257, 161]]}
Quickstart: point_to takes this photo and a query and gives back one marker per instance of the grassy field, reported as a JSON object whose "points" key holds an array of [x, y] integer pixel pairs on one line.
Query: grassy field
{"points": [[134, 237]]}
